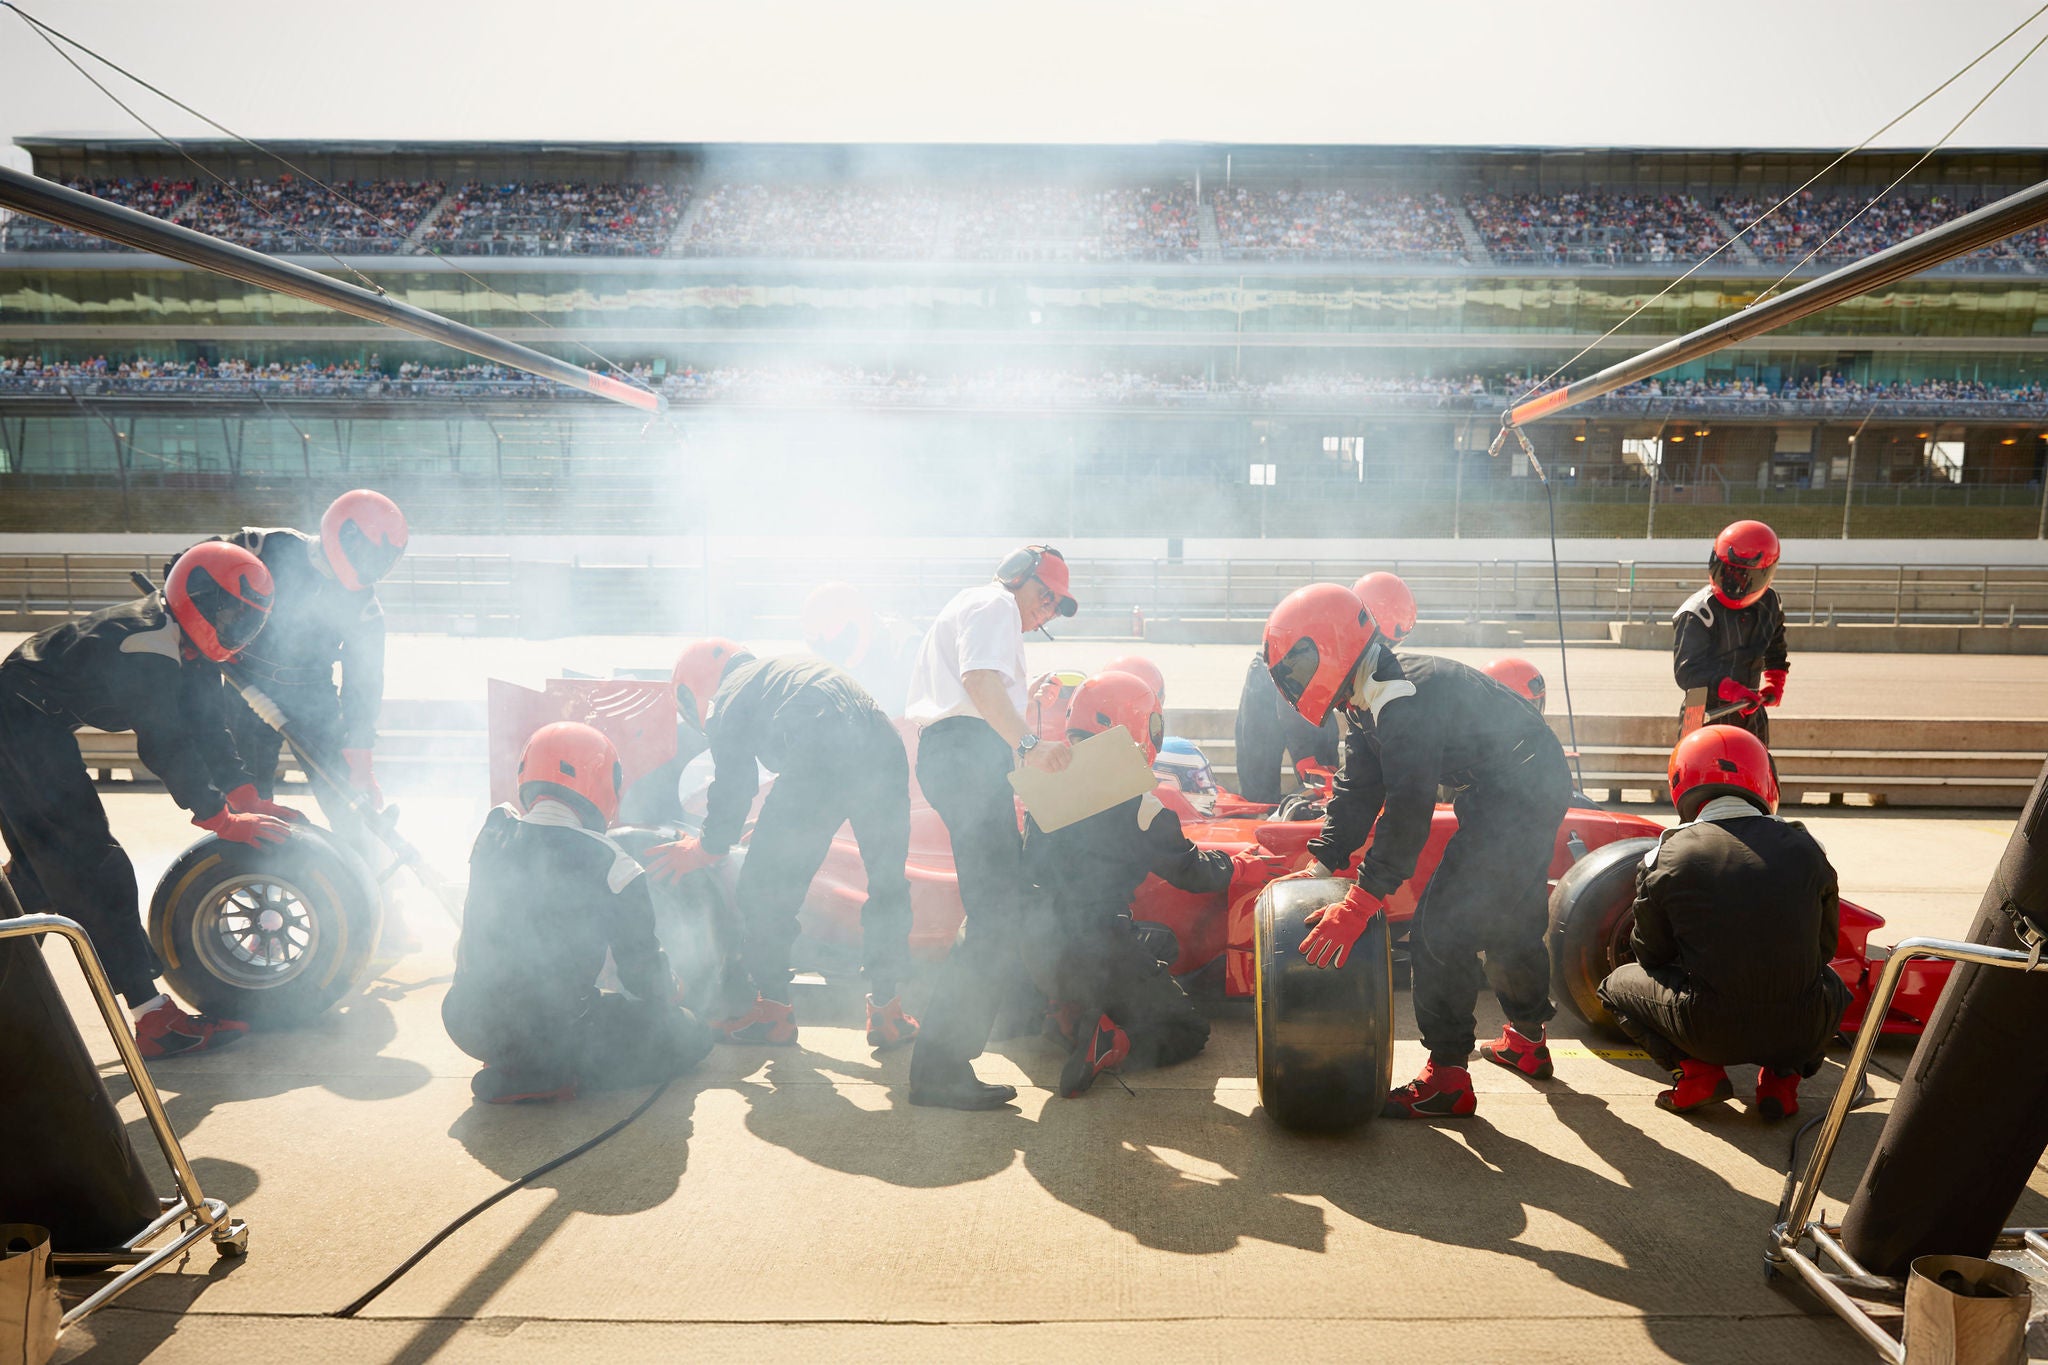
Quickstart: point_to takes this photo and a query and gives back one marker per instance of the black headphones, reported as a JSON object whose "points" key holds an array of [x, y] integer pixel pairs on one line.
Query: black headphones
{"points": [[1021, 566]]}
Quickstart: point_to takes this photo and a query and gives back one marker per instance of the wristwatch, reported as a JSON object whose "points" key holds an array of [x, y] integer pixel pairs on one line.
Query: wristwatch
{"points": [[1026, 745]]}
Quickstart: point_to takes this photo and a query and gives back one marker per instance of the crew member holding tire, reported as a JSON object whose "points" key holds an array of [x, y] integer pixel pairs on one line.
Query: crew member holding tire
{"points": [[836, 758], [1736, 919], [1115, 1001], [151, 666], [1416, 722], [326, 614], [549, 896], [1729, 640], [967, 696]]}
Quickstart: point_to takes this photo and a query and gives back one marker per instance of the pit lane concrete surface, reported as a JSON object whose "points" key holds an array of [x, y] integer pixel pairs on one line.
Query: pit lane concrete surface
{"points": [[788, 1203]]}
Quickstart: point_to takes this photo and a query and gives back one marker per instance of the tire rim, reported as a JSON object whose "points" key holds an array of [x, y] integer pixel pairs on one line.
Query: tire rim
{"points": [[256, 932], [1620, 947]]}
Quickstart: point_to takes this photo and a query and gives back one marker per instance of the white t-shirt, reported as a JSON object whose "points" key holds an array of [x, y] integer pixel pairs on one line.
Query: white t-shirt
{"points": [[980, 629]]}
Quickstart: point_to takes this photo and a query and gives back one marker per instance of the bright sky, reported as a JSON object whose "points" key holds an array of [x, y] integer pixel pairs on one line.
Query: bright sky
{"points": [[1595, 72]]}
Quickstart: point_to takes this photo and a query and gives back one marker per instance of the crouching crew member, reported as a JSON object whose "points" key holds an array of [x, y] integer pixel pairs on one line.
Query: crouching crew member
{"points": [[1416, 722], [1116, 1001], [1730, 636], [1736, 918], [326, 614], [549, 896], [967, 695], [836, 758], [151, 666]]}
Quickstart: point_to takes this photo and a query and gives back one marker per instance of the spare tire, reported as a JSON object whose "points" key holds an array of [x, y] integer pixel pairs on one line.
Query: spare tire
{"points": [[1325, 1036], [1592, 911], [270, 934]]}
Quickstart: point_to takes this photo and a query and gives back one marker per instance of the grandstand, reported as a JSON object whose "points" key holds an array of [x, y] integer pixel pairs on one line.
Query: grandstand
{"points": [[1180, 340]]}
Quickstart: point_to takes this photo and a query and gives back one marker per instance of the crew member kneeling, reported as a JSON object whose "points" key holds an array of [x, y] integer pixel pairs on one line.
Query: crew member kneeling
{"points": [[549, 894], [1736, 920], [1417, 722], [1118, 1004]]}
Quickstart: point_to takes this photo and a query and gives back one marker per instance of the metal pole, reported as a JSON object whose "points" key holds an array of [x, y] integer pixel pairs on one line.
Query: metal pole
{"points": [[82, 212], [1992, 223]]}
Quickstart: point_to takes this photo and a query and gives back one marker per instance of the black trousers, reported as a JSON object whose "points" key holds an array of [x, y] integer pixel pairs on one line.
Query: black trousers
{"points": [[1672, 1019], [64, 857], [1490, 899], [963, 767], [868, 783], [608, 1042], [1095, 960]]}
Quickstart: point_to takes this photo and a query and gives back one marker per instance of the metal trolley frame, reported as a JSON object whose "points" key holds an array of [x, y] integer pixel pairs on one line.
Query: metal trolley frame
{"points": [[191, 1216], [1849, 1289]]}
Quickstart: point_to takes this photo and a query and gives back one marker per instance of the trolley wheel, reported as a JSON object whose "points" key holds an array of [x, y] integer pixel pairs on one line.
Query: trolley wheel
{"points": [[1592, 911], [232, 1241], [270, 934], [1325, 1036]]}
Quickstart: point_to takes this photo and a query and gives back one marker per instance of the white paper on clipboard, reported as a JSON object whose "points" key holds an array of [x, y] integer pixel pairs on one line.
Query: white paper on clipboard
{"points": [[1107, 768]]}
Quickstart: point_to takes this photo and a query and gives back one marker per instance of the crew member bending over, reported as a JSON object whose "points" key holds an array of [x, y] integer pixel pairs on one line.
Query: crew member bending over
{"points": [[1116, 1003], [151, 666], [1730, 636], [549, 896], [1417, 722], [1736, 920], [837, 758]]}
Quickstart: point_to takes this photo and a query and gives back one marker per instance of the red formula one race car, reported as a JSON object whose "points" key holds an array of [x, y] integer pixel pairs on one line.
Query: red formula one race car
{"points": [[1324, 1037]]}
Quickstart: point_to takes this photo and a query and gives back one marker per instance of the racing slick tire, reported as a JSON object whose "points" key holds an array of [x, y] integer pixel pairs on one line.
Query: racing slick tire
{"points": [[1324, 1036], [1592, 911], [269, 934]]}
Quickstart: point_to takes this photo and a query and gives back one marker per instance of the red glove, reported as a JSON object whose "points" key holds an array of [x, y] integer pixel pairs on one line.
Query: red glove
{"points": [[243, 800], [361, 776], [670, 863], [240, 827], [1335, 928], [1731, 690], [1774, 686]]}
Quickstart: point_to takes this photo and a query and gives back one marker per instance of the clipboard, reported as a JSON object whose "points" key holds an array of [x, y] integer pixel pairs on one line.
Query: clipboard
{"points": [[1108, 768]]}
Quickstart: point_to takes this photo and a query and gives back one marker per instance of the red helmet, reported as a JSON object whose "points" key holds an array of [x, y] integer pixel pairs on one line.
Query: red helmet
{"points": [[837, 623], [576, 765], [1721, 760], [698, 669], [1518, 676], [1392, 606], [220, 596], [1112, 699], [1047, 698], [1144, 670], [363, 533], [1744, 559], [1314, 639]]}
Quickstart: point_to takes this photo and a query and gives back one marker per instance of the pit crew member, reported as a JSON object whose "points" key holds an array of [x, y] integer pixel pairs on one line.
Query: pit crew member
{"points": [[1730, 635]]}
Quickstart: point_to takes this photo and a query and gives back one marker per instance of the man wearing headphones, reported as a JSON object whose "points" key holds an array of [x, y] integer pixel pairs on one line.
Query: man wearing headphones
{"points": [[967, 697]]}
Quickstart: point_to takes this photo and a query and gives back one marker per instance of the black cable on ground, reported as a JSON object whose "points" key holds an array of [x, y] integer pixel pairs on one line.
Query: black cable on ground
{"points": [[521, 1183]]}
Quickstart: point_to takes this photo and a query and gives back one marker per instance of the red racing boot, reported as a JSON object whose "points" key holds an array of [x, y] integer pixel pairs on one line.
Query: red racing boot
{"points": [[1777, 1093], [1699, 1085], [1062, 1017], [1530, 1056], [1098, 1050], [888, 1026], [1440, 1092], [495, 1085], [168, 1031], [769, 1021]]}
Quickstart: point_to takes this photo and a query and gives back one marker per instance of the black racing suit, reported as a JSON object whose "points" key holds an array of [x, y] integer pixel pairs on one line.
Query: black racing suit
{"points": [[1713, 641], [547, 899], [314, 623], [1087, 953], [123, 668], [1736, 920], [1268, 730], [1430, 722], [836, 758]]}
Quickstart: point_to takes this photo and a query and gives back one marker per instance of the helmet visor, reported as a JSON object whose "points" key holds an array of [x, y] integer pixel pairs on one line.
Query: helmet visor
{"points": [[1156, 730], [370, 560], [1738, 583], [1296, 670], [236, 622]]}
